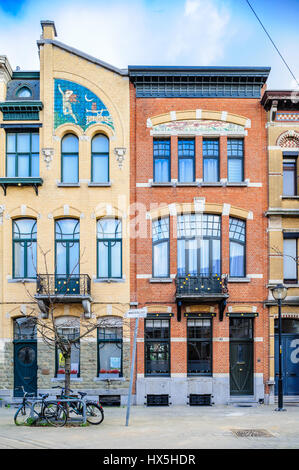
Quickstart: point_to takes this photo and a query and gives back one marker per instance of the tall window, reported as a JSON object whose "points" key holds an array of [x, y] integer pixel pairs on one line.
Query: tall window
{"points": [[289, 176], [70, 159], [290, 267], [186, 158], [235, 163], [199, 347], [100, 159], [109, 241], [157, 347], [24, 248], [161, 160], [161, 247], [67, 256], [69, 329], [210, 160], [110, 350], [237, 243], [22, 154], [199, 244]]}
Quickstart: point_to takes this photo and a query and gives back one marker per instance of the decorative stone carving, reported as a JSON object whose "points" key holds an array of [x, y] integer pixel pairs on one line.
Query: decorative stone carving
{"points": [[289, 139], [120, 155], [198, 127], [48, 154]]}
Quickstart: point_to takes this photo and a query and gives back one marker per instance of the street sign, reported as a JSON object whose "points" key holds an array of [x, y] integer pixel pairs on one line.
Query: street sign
{"points": [[136, 313]]}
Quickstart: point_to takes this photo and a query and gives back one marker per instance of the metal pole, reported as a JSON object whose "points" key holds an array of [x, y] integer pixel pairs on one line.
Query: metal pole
{"points": [[132, 371], [280, 383]]}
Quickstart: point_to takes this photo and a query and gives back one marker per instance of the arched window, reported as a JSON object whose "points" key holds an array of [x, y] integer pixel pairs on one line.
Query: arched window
{"points": [[199, 244], [100, 159], [109, 242], [24, 248], [237, 244], [24, 328], [24, 92], [70, 159], [67, 255]]}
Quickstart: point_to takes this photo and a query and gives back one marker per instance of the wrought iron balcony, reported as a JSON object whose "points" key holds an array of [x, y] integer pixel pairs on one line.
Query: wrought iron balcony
{"points": [[63, 288], [205, 287]]}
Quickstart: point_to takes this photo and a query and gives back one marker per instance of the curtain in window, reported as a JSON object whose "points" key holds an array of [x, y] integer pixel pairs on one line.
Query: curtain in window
{"points": [[161, 170], [186, 173], [210, 170], [236, 260], [235, 169]]}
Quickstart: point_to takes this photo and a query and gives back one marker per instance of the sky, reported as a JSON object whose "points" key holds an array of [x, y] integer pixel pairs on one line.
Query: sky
{"points": [[159, 32]]}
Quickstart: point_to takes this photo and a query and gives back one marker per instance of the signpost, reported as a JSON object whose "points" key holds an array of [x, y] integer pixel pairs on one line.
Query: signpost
{"points": [[134, 313]]}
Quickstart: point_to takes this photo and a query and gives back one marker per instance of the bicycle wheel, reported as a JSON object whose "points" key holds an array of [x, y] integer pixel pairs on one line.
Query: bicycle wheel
{"points": [[55, 414], [94, 413], [22, 415]]}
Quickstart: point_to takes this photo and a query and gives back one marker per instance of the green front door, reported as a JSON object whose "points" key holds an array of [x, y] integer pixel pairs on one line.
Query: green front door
{"points": [[241, 356], [25, 367]]}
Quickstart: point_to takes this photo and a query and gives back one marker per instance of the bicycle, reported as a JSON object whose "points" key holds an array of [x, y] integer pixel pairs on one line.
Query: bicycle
{"points": [[30, 412], [94, 410]]}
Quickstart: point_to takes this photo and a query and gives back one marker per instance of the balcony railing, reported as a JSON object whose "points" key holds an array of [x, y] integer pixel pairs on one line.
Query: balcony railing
{"points": [[190, 286], [60, 286]]}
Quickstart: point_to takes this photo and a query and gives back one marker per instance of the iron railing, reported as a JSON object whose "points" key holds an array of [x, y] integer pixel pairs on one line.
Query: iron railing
{"points": [[63, 285], [201, 285]]}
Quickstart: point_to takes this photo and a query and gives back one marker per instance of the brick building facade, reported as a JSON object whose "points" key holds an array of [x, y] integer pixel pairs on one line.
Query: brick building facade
{"points": [[199, 259]]}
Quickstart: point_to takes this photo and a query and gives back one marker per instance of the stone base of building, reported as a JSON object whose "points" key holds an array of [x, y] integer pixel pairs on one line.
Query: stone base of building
{"points": [[179, 389]]}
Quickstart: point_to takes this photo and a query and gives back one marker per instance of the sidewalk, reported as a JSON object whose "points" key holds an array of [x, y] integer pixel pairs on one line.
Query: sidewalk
{"points": [[176, 427]]}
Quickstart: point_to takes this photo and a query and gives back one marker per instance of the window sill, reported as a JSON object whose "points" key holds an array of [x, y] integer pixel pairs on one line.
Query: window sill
{"points": [[21, 280], [99, 185], [163, 184], [290, 285], [68, 185], [104, 379], [109, 279], [213, 184], [62, 379], [241, 183], [290, 197], [193, 183], [160, 279], [238, 279]]}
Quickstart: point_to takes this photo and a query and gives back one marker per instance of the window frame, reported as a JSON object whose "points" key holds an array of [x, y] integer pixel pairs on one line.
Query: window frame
{"points": [[157, 340], [62, 376], [109, 241], [115, 340], [201, 340], [65, 155], [243, 244], [93, 154], [210, 157], [295, 280], [158, 242], [158, 157], [17, 154], [26, 241], [290, 158], [67, 241], [186, 157], [236, 157]]}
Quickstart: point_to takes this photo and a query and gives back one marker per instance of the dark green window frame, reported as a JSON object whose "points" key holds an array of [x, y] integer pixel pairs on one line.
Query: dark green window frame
{"points": [[68, 242], [20, 154], [186, 151], [199, 339], [162, 151], [110, 242], [100, 155], [211, 151], [26, 242], [117, 339], [68, 154], [235, 151], [160, 336]]}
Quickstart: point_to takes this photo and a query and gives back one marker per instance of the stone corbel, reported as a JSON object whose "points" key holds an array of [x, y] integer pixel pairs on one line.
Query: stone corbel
{"points": [[48, 154], [2, 207], [120, 155]]}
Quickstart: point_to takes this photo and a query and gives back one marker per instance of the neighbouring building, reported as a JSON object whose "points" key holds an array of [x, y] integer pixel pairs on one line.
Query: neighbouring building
{"points": [[199, 253], [64, 167], [282, 108]]}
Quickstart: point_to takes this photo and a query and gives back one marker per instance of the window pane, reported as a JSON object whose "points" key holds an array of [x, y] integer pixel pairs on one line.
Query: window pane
{"points": [[181, 257], [74, 264], [236, 259], [216, 256], [204, 257], [116, 259], [289, 259], [23, 166], [289, 178], [160, 259], [109, 228], [210, 170], [110, 359], [160, 229], [31, 260], [191, 246], [100, 143], [103, 259], [23, 143], [240, 328], [35, 165], [235, 170], [100, 168], [70, 168], [35, 143], [19, 269], [60, 258], [186, 170], [24, 92], [11, 165], [161, 171], [70, 144], [24, 228], [11, 142]]}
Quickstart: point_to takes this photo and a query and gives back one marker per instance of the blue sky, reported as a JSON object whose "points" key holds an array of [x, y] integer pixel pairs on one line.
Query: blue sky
{"points": [[159, 32]]}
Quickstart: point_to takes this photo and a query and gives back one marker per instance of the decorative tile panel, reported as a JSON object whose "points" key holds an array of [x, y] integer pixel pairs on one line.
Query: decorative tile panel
{"points": [[287, 117], [198, 127]]}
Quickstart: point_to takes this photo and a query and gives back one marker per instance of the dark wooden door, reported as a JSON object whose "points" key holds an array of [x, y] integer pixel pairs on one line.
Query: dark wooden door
{"points": [[241, 368], [25, 367]]}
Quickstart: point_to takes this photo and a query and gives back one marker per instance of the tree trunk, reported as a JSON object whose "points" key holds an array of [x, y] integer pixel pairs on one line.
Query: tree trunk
{"points": [[67, 378]]}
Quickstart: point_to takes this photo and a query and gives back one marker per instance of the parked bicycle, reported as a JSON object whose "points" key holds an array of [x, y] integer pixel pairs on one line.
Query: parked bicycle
{"points": [[36, 409], [94, 410]]}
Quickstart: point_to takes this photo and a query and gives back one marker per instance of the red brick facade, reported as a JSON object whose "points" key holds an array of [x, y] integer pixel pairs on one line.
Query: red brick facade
{"points": [[252, 291]]}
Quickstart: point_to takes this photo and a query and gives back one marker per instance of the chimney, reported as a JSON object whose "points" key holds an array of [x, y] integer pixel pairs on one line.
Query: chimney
{"points": [[48, 28]]}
